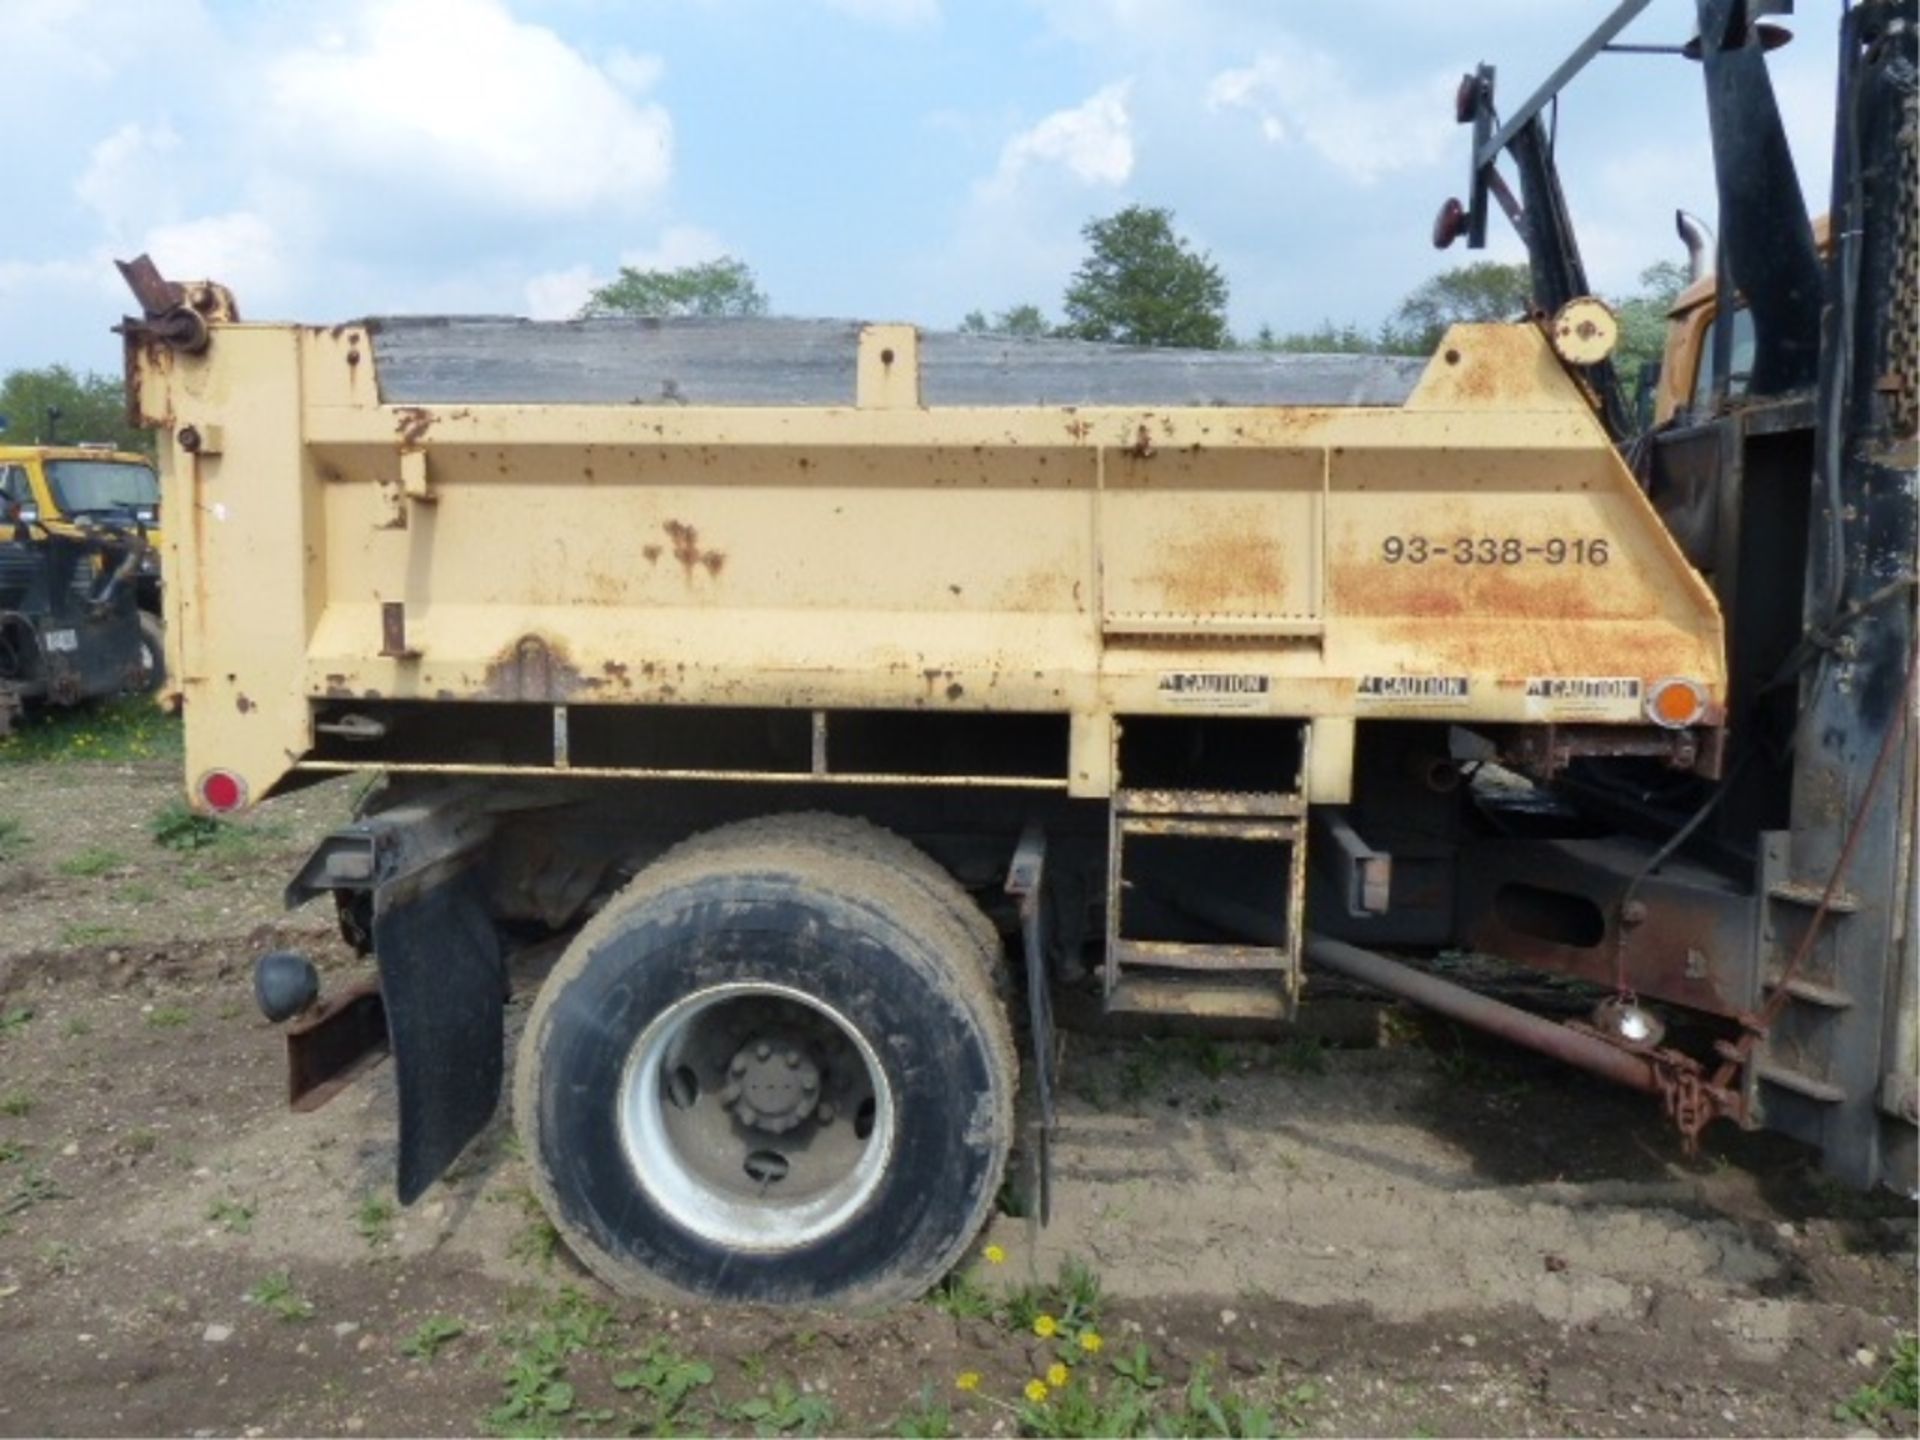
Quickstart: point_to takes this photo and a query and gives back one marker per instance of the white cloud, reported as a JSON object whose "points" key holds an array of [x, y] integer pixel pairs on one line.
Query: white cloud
{"points": [[633, 71], [132, 176], [1304, 97], [1093, 142], [678, 245], [39, 277], [457, 96], [239, 249], [889, 12], [559, 294]]}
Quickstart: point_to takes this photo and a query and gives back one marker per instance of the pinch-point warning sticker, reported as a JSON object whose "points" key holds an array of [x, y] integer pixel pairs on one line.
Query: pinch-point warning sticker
{"points": [[1561, 695], [1216, 689], [1415, 689]]}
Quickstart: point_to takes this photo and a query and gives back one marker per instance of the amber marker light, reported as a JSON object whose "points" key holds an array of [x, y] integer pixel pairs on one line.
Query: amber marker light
{"points": [[1676, 703]]}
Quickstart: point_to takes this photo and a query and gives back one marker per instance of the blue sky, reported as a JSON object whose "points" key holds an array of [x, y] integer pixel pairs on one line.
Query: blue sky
{"points": [[876, 159]]}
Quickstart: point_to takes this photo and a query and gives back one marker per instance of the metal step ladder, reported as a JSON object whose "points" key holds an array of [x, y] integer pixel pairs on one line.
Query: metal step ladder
{"points": [[1231, 980], [1817, 1073]]}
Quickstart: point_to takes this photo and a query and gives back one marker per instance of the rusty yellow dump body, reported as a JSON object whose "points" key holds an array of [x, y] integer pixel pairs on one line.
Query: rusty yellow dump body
{"points": [[1478, 554]]}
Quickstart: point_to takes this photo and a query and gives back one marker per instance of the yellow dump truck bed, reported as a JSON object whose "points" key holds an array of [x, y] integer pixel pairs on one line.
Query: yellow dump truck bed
{"points": [[1477, 553]]}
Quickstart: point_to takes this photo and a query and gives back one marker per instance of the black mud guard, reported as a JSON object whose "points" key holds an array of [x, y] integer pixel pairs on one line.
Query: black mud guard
{"points": [[444, 980]]}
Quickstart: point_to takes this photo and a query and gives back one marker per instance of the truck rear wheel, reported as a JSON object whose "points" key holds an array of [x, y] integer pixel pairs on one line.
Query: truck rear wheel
{"points": [[772, 1070]]}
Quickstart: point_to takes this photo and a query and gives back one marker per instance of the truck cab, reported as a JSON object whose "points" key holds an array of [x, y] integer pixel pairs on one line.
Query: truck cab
{"points": [[70, 493], [68, 483], [1684, 391]]}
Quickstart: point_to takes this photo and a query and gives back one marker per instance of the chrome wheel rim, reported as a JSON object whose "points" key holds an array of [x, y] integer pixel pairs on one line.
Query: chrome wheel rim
{"points": [[756, 1116]]}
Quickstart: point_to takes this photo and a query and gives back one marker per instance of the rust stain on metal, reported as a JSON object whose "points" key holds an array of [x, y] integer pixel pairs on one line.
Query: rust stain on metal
{"points": [[536, 667], [1234, 564], [393, 631], [243, 705], [686, 549], [412, 422], [334, 1042]]}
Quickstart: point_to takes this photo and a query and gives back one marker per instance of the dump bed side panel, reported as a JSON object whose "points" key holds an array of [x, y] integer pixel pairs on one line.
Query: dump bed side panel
{"points": [[1478, 554]]}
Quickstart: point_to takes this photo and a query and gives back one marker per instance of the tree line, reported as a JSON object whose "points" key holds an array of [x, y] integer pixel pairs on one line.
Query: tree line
{"points": [[1141, 283]]}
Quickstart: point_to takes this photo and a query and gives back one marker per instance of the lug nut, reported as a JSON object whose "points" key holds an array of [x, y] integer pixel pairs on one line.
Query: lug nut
{"points": [[746, 1114], [793, 1059], [763, 1050], [729, 1093], [809, 1084], [823, 1112], [739, 1066]]}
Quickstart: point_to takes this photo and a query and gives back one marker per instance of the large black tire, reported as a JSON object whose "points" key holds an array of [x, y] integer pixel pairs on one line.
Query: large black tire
{"points": [[153, 654], [820, 909], [849, 835]]}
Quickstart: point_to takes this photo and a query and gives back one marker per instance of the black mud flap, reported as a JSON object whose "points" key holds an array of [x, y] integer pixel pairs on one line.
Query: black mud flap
{"points": [[444, 981]]}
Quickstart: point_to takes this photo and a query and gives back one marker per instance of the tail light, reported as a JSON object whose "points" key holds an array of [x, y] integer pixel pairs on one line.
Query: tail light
{"points": [[222, 791]]}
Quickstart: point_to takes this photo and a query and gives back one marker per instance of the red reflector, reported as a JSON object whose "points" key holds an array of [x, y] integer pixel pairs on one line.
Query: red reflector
{"points": [[222, 791]]}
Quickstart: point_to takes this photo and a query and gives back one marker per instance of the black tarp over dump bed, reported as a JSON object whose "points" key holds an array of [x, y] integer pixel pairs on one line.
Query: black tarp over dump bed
{"points": [[500, 360]]}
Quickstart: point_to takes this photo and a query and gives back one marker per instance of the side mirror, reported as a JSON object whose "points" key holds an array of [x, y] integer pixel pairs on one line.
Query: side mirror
{"points": [[26, 512]]}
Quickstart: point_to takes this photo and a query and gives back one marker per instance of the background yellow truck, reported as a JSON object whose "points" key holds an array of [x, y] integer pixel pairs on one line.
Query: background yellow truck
{"points": [[71, 491], [848, 694]]}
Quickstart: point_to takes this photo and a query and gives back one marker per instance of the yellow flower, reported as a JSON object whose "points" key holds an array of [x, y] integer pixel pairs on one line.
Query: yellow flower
{"points": [[1056, 1375], [1036, 1390], [1091, 1342], [995, 1255], [968, 1380], [1046, 1327]]}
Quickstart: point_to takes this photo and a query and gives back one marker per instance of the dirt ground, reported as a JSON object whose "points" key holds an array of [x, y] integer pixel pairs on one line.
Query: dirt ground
{"points": [[1417, 1238]]}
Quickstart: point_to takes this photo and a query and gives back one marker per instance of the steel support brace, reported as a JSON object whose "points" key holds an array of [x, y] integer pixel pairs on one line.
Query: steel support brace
{"points": [[1026, 882]]}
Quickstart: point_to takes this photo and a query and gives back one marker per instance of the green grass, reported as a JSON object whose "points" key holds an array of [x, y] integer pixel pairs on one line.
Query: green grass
{"points": [[1892, 1401], [1071, 1301], [120, 730], [432, 1335], [666, 1381], [33, 1186], [233, 1216], [175, 827], [538, 1399], [13, 838], [89, 932], [92, 862], [277, 1295], [783, 1410], [373, 1220], [1301, 1055], [929, 1419], [15, 1017], [1126, 1396], [963, 1297], [538, 1241], [17, 1103], [169, 1017]]}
